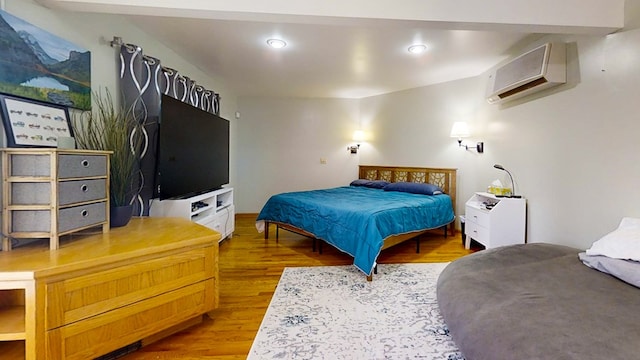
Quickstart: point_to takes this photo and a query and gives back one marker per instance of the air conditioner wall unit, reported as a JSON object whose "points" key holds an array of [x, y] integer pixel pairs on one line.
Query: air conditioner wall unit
{"points": [[533, 71]]}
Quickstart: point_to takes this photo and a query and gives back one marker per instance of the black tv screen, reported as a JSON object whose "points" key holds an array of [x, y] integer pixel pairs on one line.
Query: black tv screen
{"points": [[193, 150]]}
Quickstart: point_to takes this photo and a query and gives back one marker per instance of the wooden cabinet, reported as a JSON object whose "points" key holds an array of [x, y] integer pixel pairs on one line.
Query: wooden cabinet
{"points": [[17, 318], [213, 209], [101, 292], [52, 192], [495, 221]]}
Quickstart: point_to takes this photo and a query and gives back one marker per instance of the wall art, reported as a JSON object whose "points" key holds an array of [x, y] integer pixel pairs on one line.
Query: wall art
{"points": [[31, 123], [38, 65]]}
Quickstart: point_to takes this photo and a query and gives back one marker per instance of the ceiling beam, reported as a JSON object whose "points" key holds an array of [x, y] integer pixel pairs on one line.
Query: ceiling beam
{"points": [[541, 16]]}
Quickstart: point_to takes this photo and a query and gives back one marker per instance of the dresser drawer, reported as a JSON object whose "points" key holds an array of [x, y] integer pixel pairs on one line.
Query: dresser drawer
{"points": [[30, 165], [30, 193], [69, 192], [477, 233], [81, 165], [76, 191], [68, 219], [81, 216], [103, 291], [477, 216], [103, 333], [30, 221]]}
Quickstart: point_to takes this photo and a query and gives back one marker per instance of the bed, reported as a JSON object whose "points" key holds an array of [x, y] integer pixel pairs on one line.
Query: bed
{"points": [[364, 220], [541, 301]]}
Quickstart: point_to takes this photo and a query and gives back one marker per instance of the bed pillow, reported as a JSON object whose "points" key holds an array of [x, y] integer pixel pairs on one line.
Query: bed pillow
{"points": [[622, 243], [414, 188], [625, 270], [375, 184]]}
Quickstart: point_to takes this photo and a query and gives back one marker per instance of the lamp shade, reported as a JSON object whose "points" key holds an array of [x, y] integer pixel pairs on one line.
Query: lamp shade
{"points": [[460, 129], [358, 135]]}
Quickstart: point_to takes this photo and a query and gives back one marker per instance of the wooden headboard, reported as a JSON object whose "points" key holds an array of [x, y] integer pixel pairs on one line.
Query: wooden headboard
{"points": [[443, 177]]}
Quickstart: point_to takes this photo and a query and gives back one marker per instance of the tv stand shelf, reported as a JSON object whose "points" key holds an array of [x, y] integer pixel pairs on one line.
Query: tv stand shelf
{"points": [[213, 209]]}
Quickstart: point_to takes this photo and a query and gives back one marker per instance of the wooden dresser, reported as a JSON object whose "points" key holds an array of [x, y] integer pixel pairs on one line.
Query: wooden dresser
{"points": [[100, 292]]}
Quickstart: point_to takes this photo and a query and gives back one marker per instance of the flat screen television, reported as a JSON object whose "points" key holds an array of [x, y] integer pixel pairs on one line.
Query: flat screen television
{"points": [[193, 151]]}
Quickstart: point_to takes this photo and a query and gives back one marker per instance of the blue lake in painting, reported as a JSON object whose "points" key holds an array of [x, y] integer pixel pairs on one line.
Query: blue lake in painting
{"points": [[46, 82]]}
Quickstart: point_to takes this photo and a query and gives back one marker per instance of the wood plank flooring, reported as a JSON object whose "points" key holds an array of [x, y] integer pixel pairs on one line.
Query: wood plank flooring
{"points": [[250, 268]]}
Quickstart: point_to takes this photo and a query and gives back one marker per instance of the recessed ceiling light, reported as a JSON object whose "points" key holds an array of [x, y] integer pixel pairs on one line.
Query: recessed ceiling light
{"points": [[417, 49], [276, 43]]}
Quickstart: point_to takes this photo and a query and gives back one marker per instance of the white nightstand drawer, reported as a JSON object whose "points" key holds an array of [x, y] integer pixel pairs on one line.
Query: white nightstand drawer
{"points": [[477, 216], [477, 233]]}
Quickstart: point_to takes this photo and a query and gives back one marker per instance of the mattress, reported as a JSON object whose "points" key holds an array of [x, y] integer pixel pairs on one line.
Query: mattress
{"points": [[357, 219], [537, 301]]}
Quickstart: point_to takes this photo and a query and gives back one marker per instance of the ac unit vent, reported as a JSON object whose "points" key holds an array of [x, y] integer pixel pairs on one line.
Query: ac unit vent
{"points": [[536, 70]]}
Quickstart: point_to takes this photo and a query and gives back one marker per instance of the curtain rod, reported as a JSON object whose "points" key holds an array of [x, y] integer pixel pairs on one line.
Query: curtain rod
{"points": [[117, 41]]}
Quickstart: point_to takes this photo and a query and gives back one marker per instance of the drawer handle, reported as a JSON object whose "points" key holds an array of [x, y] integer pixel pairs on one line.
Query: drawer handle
{"points": [[84, 188], [84, 213], [85, 163]]}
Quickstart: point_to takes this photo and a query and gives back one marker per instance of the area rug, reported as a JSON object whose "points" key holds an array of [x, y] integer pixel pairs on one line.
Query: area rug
{"points": [[332, 312]]}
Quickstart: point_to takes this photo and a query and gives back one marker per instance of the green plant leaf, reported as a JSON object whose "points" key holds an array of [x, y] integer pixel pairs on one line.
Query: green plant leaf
{"points": [[113, 128]]}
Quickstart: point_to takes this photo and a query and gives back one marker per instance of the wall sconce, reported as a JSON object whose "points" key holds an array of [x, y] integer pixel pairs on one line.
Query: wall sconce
{"points": [[460, 130], [358, 136]]}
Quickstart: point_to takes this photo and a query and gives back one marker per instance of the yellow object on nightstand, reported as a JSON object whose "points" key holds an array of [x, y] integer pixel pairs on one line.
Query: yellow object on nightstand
{"points": [[499, 191]]}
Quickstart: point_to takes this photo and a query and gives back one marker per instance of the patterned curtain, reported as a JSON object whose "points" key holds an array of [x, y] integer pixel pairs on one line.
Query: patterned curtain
{"points": [[142, 81]]}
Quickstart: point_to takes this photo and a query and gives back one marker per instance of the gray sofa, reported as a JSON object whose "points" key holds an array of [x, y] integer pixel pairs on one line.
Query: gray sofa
{"points": [[538, 301]]}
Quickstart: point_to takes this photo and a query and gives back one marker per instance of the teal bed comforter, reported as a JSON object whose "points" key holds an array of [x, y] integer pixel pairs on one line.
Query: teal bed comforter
{"points": [[355, 219]]}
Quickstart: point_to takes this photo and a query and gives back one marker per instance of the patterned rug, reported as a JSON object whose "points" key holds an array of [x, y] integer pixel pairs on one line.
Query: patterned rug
{"points": [[332, 312]]}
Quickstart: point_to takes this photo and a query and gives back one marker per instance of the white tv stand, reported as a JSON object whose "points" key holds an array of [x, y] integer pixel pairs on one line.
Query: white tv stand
{"points": [[214, 210]]}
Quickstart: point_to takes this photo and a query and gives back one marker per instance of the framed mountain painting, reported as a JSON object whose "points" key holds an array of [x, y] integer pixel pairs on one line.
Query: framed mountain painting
{"points": [[38, 65]]}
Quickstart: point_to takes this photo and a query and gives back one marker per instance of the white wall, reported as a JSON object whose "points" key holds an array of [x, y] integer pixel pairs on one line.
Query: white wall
{"points": [[281, 142], [573, 151], [412, 128]]}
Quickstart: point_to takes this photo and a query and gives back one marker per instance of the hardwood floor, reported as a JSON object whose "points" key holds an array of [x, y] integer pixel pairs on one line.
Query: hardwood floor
{"points": [[250, 268]]}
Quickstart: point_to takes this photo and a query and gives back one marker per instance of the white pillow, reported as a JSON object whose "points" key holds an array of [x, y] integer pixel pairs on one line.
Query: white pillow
{"points": [[622, 243], [629, 223], [625, 270]]}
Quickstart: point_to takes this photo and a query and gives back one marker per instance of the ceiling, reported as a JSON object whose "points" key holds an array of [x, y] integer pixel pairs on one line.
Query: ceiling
{"points": [[353, 48]]}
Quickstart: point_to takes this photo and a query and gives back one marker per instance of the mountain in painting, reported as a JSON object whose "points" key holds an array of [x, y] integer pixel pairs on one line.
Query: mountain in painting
{"points": [[77, 66], [18, 62], [36, 48]]}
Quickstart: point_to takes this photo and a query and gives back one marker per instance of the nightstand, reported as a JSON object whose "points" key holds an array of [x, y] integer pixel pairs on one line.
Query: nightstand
{"points": [[495, 221]]}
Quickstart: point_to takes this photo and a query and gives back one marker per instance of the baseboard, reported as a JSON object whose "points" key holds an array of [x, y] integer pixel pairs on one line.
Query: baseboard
{"points": [[172, 330]]}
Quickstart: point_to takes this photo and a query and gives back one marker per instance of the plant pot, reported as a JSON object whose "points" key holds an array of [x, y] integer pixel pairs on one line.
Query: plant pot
{"points": [[120, 215]]}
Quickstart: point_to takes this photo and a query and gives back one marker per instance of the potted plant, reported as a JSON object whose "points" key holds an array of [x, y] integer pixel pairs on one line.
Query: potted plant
{"points": [[114, 128]]}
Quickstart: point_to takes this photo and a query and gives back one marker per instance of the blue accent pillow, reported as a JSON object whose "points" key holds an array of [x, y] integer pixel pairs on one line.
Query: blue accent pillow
{"points": [[375, 184], [414, 188]]}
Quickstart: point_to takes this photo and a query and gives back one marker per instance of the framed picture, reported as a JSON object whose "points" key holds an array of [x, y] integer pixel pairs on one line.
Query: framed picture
{"points": [[39, 65], [31, 123]]}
